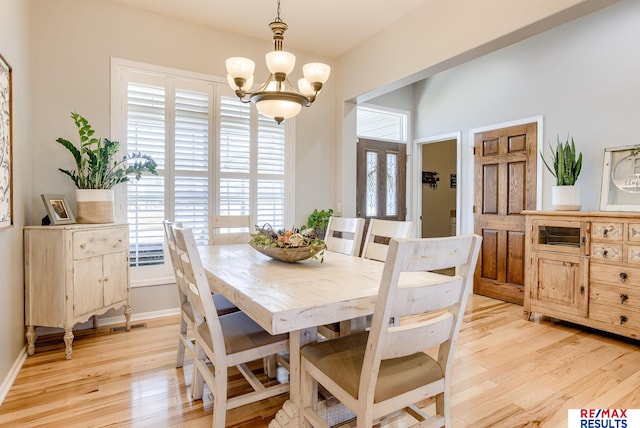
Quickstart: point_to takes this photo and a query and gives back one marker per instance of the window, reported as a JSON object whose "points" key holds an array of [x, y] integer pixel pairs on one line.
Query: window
{"points": [[215, 154], [382, 124]]}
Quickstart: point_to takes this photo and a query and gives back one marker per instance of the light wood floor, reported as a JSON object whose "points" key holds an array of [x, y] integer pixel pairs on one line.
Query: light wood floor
{"points": [[508, 373]]}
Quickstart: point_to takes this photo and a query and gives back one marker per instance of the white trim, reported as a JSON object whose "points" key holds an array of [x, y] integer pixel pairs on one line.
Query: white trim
{"points": [[11, 376], [152, 282], [417, 182], [102, 322]]}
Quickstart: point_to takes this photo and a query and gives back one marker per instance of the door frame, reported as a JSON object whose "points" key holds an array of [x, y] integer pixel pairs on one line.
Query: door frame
{"points": [[417, 176], [470, 196]]}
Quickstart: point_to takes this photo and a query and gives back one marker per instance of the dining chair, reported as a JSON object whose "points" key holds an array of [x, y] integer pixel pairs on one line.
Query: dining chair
{"points": [[343, 235], [379, 232], [229, 229], [223, 342], [385, 370], [223, 305]]}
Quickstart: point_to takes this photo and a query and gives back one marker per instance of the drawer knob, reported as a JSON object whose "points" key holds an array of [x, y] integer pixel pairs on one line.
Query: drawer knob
{"points": [[605, 232], [623, 298], [605, 253], [623, 276], [623, 319]]}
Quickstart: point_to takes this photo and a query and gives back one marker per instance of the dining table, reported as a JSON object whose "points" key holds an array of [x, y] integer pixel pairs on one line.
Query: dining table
{"points": [[293, 298], [297, 297]]}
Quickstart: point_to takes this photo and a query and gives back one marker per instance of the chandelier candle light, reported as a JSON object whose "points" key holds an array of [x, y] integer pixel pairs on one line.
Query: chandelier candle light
{"points": [[276, 97]]}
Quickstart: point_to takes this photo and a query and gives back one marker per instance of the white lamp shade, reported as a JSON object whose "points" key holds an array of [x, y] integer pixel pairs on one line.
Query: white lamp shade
{"points": [[246, 87], [305, 87], [316, 72], [280, 62], [278, 108], [238, 66]]}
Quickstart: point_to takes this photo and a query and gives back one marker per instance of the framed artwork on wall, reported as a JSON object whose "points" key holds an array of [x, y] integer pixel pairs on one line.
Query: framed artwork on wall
{"points": [[6, 164], [621, 179], [58, 209]]}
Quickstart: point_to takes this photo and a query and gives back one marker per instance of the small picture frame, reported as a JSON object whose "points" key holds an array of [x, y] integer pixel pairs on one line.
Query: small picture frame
{"points": [[621, 179], [58, 209]]}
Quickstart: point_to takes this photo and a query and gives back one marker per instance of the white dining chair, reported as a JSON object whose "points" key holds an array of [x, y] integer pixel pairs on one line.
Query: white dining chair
{"points": [[223, 342], [229, 229], [343, 235], [379, 232], [223, 305], [385, 370]]}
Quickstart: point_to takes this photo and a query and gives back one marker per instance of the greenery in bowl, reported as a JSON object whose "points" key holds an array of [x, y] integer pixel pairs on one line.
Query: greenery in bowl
{"points": [[304, 241], [566, 163], [97, 166]]}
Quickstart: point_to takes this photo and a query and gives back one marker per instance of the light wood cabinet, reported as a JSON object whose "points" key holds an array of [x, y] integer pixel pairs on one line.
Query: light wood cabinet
{"points": [[584, 267], [73, 273]]}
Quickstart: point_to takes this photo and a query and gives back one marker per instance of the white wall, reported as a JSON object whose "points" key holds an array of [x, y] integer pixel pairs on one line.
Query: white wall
{"points": [[73, 41], [582, 77], [14, 48], [433, 38]]}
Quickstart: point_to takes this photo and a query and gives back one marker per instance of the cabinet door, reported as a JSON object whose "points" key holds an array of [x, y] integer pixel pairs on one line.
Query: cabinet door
{"points": [[87, 285], [116, 277], [559, 283]]}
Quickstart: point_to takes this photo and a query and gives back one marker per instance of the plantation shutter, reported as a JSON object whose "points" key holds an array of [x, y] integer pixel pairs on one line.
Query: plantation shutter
{"points": [[215, 155], [146, 105]]}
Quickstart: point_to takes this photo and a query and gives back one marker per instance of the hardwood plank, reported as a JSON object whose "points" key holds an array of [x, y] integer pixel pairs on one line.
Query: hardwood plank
{"points": [[508, 372]]}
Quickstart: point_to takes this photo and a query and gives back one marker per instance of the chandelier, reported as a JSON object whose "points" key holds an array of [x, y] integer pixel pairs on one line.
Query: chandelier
{"points": [[276, 97]]}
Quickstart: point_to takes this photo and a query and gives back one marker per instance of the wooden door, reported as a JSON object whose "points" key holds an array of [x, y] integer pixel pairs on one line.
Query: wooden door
{"points": [[505, 185], [381, 180]]}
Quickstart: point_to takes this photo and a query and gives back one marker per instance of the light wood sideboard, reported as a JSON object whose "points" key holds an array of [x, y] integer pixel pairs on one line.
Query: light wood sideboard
{"points": [[584, 267], [72, 273]]}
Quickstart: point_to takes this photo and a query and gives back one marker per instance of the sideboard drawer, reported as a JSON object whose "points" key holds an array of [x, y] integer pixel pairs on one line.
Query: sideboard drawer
{"points": [[99, 241], [620, 298], [624, 319], [606, 251], [615, 275], [613, 231], [634, 232]]}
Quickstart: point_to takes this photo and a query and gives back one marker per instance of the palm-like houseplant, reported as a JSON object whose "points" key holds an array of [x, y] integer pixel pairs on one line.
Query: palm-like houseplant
{"points": [[98, 167], [565, 167]]}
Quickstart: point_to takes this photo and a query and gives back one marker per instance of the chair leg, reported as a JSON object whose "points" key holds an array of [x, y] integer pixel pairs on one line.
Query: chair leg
{"points": [[442, 407], [183, 333], [220, 398], [270, 367], [197, 380]]}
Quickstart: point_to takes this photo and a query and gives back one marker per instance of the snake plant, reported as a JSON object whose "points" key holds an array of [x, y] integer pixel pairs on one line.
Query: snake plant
{"points": [[566, 163], [97, 166]]}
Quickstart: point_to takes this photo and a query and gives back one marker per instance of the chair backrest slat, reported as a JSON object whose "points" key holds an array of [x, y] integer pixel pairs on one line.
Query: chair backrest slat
{"points": [[229, 229], [406, 339], [344, 235], [175, 259], [426, 307], [378, 234]]}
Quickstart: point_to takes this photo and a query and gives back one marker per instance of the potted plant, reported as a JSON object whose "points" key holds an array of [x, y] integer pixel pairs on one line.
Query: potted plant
{"points": [[565, 167], [318, 221], [98, 170]]}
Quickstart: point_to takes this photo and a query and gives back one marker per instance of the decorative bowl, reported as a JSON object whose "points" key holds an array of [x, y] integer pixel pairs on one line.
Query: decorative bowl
{"points": [[288, 254]]}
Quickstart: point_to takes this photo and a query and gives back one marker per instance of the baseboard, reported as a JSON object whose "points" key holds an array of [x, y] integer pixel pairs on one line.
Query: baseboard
{"points": [[8, 381], [139, 317]]}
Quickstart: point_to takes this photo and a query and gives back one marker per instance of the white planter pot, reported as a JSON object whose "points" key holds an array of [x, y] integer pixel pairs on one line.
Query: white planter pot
{"points": [[95, 205], [565, 198]]}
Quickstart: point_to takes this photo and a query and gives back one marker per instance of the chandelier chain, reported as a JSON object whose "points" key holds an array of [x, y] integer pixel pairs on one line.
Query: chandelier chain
{"points": [[278, 13]]}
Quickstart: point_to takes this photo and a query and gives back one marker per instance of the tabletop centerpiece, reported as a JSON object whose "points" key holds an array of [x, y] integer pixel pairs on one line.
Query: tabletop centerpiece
{"points": [[289, 245]]}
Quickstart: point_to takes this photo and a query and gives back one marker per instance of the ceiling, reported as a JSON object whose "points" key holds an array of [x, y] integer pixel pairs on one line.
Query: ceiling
{"points": [[325, 27]]}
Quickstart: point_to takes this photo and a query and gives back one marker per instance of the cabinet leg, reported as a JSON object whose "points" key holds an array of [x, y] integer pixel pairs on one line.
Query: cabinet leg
{"points": [[68, 340], [127, 317], [95, 321], [31, 340]]}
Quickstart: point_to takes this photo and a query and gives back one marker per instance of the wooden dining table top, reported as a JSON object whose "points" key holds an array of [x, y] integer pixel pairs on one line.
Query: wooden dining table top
{"points": [[284, 297]]}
